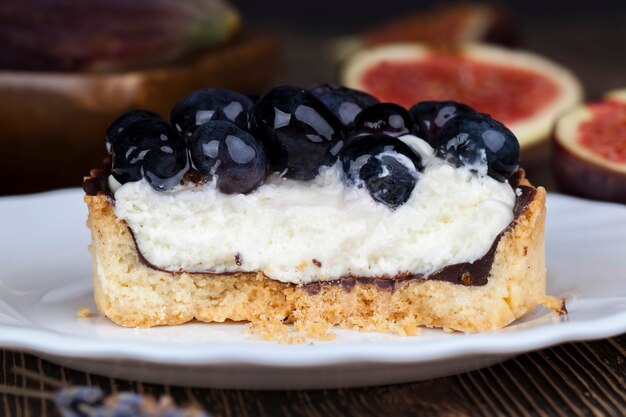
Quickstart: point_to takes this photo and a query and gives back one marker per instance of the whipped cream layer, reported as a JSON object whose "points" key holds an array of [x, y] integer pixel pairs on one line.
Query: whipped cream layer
{"points": [[319, 230]]}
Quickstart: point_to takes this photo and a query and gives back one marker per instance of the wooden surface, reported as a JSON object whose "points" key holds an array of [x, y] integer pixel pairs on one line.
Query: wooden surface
{"points": [[581, 379]]}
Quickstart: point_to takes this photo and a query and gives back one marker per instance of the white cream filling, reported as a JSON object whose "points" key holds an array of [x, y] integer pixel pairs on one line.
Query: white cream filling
{"points": [[320, 230]]}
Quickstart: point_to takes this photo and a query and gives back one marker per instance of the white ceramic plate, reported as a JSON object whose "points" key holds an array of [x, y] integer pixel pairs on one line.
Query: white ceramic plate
{"points": [[45, 278]]}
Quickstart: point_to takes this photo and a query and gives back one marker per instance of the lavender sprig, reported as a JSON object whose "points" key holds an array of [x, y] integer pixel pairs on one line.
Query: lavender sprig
{"points": [[86, 401], [90, 401]]}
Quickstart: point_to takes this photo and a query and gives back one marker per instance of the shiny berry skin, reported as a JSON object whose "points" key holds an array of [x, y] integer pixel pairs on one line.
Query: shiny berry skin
{"points": [[124, 120], [384, 118], [474, 139], [431, 116], [345, 103], [201, 106], [233, 155], [385, 165], [299, 133], [150, 149]]}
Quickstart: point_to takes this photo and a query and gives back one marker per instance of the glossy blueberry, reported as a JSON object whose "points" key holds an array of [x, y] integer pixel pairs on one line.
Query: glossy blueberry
{"points": [[430, 116], [165, 167], [298, 131], [385, 165], [384, 118], [124, 120], [475, 139], [345, 103], [150, 149], [201, 106], [233, 155]]}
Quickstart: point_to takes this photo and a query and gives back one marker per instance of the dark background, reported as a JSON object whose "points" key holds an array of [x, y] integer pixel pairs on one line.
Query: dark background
{"points": [[344, 16], [587, 36]]}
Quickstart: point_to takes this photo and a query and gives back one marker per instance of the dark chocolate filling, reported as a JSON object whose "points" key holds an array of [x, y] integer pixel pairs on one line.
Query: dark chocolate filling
{"points": [[474, 273]]}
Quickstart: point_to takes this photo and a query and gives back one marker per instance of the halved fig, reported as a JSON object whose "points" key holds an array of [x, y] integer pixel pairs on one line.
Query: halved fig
{"points": [[589, 149], [449, 24], [110, 35], [524, 91]]}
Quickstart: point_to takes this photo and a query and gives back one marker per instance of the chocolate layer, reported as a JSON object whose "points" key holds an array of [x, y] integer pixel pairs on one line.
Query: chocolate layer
{"points": [[96, 182], [474, 273]]}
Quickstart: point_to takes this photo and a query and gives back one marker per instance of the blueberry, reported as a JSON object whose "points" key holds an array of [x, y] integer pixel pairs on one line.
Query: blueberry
{"points": [[149, 148], [233, 155], [474, 139], [124, 120], [430, 116], [383, 118], [201, 106], [164, 168], [385, 165], [298, 131], [345, 103]]}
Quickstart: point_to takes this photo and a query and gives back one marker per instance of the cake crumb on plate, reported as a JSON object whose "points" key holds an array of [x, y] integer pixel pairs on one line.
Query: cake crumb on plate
{"points": [[84, 312]]}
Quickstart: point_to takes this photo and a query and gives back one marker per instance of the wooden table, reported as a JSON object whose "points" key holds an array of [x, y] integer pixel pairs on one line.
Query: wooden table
{"points": [[586, 379], [580, 379]]}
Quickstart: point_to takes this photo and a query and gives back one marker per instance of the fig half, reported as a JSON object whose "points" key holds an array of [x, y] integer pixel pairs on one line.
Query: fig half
{"points": [[589, 149], [448, 24], [110, 35], [524, 91]]}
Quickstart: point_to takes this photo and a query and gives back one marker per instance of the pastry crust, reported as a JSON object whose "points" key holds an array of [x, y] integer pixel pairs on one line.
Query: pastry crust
{"points": [[133, 294]]}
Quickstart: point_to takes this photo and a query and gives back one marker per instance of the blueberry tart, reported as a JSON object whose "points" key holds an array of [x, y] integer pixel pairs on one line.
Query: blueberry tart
{"points": [[317, 208]]}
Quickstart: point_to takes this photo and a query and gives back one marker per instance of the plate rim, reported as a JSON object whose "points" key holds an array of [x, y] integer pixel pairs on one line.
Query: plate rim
{"points": [[50, 342], [290, 356]]}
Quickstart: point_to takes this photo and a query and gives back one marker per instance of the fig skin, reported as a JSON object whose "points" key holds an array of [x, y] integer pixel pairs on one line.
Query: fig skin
{"points": [[109, 35], [586, 179], [535, 159], [592, 176]]}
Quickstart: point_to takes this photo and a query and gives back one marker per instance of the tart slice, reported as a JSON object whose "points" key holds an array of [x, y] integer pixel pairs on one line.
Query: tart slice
{"points": [[317, 207]]}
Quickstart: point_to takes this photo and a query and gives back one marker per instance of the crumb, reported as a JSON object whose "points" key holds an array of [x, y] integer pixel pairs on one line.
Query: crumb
{"points": [[316, 263], [276, 330], [268, 329], [84, 312], [466, 278], [557, 305], [407, 329]]}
